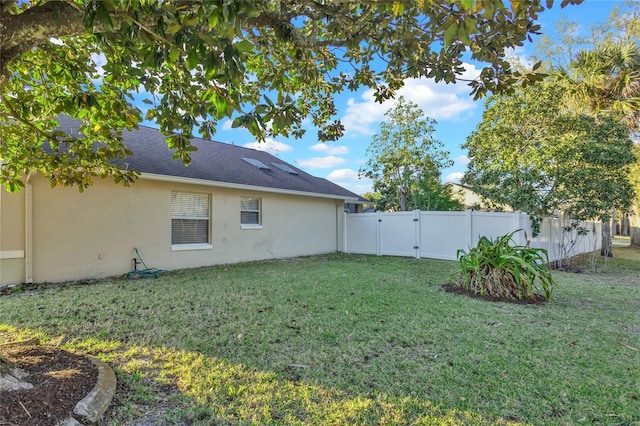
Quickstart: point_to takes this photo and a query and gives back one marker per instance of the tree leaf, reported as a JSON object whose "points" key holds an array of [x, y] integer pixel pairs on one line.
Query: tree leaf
{"points": [[468, 4], [173, 29], [398, 8], [244, 46], [450, 34]]}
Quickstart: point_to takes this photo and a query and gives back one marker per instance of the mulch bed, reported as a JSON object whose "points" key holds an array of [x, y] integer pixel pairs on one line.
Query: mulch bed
{"points": [[60, 380], [453, 288]]}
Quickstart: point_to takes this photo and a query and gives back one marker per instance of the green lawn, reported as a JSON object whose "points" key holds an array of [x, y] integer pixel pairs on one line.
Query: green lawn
{"points": [[347, 339]]}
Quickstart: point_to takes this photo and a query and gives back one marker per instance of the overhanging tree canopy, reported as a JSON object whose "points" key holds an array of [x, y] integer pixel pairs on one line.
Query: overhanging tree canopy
{"points": [[266, 64], [531, 153]]}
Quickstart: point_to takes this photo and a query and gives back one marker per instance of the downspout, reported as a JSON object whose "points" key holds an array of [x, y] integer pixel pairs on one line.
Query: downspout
{"points": [[344, 232], [28, 230], [338, 228]]}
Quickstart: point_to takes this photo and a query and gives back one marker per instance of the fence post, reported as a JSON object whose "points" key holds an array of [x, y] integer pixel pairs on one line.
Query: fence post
{"points": [[524, 227], [553, 239], [470, 226], [516, 223], [417, 233], [378, 238]]}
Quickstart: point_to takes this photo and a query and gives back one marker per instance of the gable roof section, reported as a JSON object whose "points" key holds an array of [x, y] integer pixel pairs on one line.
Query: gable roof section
{"points": [[217, 163]]}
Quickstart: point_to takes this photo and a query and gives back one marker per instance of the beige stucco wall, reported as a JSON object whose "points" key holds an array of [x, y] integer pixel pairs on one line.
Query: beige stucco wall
{"points": [[11, 237], [93, 234], [470, 199]]}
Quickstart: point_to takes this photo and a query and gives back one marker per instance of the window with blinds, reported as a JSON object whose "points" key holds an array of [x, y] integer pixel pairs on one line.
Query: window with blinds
{"points": [[250, 212], [190, 215]]}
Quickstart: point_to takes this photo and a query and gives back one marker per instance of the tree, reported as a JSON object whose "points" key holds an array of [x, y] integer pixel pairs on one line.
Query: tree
{"points": [[605, 80], [605, 83], [508, 152], [556, 51], [405, 159], [432, 195], [531, 153], [622, 25], [265, 64], [634, 177], [601, 73]]}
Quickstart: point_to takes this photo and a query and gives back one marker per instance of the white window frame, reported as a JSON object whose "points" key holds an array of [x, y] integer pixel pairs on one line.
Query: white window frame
{"points": [[258, 210], [192, 246]]}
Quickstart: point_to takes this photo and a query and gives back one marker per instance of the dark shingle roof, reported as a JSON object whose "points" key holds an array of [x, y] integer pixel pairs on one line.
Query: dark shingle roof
{"points": [[217, 162]]}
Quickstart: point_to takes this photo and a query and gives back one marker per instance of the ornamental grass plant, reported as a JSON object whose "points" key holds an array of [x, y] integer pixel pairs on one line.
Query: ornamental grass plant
{"points": [[501, 268]]}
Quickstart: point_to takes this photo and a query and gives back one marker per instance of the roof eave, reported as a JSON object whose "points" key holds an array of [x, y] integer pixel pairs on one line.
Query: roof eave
{"points": [[218, 184]]}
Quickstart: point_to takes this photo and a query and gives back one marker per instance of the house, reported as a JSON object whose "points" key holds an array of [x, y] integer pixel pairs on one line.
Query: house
{"points": [[231, 204], [470, 199]]}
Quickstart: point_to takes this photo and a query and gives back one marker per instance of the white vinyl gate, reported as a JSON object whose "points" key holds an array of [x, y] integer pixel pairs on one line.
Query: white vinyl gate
{"points": [[399, 234]]}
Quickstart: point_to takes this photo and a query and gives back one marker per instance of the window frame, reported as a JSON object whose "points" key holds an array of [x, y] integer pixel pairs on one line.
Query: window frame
{"points": [[192, 246], [258, 210]]}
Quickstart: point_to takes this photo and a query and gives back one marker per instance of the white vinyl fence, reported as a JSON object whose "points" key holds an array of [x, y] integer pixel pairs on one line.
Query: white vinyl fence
{"points": [[439, 235]]}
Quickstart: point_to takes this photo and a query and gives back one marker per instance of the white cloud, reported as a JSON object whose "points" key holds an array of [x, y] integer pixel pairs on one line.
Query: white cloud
{"points": [[360, 115], [227, 125], [439, 101], [321, 162], [348, 178], [357, 188], [269, 145], [461, 160], [517, 56], [454, 177], [329, 149], [100, 60], [340, 175]]}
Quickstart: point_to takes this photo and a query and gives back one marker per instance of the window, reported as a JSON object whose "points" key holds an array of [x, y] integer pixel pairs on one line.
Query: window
{"points": [[256, 163], [189, 220], [250, 212], [285, 168]]}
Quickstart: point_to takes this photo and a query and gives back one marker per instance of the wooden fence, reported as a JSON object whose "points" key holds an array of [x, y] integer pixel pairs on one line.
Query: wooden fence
{"points": [[439, 235]]}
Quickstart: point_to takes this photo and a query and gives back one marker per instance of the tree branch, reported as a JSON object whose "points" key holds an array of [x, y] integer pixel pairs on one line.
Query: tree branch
{"points": [[18, 117], [52, 19], [24, 31]]}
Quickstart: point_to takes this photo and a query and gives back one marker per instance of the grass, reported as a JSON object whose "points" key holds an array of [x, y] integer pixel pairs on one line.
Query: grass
{"points": [[347, 339]]}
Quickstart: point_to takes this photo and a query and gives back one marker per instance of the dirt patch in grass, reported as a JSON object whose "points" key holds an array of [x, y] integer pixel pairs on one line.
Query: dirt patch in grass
{"points": [[60, 380], [453, 288], [9, 289]]}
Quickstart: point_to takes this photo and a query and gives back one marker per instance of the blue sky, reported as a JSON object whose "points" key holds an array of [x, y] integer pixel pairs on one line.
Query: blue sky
{"points": [[450, 105]]}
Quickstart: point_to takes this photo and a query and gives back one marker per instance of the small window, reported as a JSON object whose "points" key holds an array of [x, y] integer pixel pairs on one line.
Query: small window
{"points": [[256, 163], [285, 168], [190, 216], [250, 212]]}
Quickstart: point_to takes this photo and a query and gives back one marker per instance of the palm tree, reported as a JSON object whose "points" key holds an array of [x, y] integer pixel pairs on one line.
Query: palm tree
{"points": [[605, 80]]}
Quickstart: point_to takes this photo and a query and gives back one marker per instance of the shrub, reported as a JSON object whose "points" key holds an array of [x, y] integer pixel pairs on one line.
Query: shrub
{"points": [[498, 268]]}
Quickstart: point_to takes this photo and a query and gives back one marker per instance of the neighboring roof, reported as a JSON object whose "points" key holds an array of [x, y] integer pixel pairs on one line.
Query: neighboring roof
{"points": [[217, 162], [460, 185]]}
